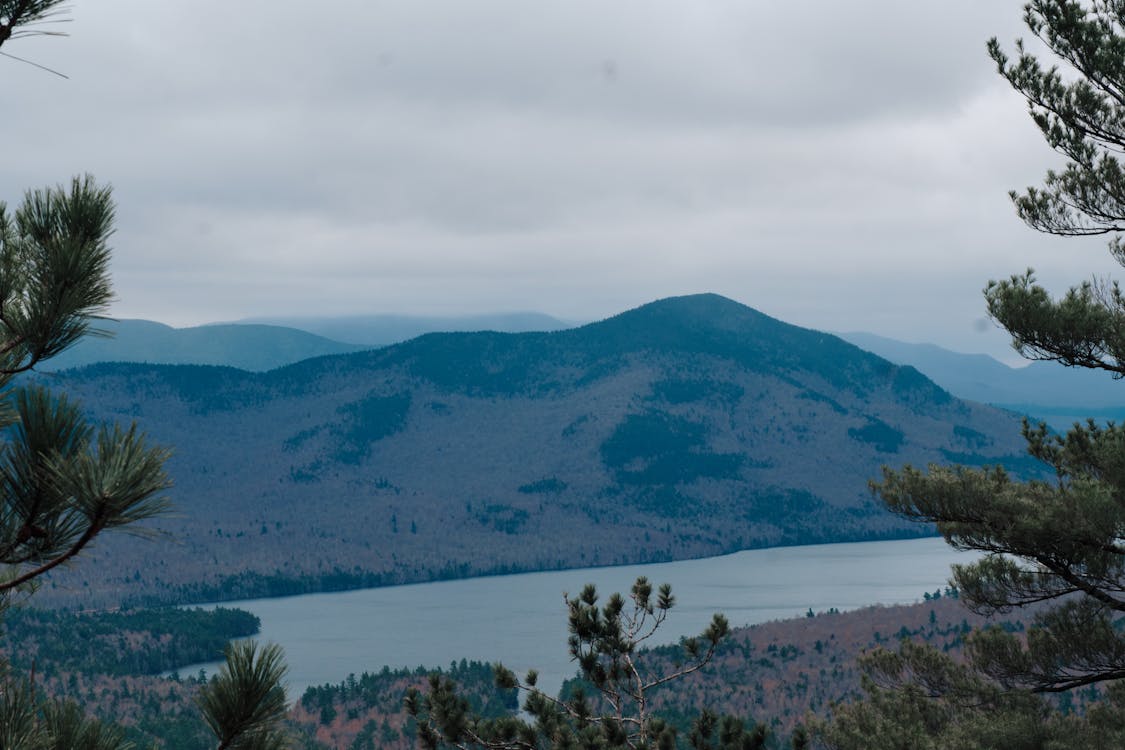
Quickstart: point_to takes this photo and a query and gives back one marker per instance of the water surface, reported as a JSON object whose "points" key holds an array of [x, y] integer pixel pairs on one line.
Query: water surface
{"points": [[520, 620]]}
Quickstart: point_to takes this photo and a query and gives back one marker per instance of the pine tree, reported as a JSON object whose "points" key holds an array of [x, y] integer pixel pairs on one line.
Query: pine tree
{"points": [[613, 707], [245, 703], [1059, 544], [64, 482]]}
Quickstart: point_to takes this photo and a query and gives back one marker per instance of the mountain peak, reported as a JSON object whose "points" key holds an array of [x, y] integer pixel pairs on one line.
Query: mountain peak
{"points": [[712, 325], [689, 321], [707, 305]]}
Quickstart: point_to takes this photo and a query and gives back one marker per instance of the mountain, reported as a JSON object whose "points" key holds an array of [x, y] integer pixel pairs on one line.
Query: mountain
{"points": [[687, 427], [381, 330], [268, 344], [1046, 390], [248, 347]]}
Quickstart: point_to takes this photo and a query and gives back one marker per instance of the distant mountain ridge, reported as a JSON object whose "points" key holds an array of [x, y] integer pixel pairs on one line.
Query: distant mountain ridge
{"points": [[690, 426], [247, 347], [265, 346], [383, 330], [1046, 390]]}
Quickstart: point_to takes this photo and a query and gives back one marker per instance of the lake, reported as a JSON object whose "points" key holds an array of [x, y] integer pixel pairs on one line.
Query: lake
{"points": [[520, 620]]}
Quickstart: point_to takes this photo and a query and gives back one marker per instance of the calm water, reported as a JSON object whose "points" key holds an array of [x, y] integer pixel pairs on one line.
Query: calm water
{"points": [[520, 620]]}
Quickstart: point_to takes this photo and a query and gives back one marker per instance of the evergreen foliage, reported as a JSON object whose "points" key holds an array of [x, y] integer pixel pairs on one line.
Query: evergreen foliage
{"points": [[373, 689], [30, 722], [921, 698], [63, 482], [610, 708], [669, 449], [159, 640], [885, 438], [70, 729], [1052, 544], [21, 18], [244, 704], [1058, 540], [1081, 118]]}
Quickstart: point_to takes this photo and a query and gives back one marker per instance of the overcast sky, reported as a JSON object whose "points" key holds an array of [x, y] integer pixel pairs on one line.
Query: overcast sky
{"points": [[842, 166]]}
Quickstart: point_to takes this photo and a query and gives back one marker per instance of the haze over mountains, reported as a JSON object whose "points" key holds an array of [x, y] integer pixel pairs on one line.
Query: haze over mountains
{"points": [[687, 427], [1046, 390]]}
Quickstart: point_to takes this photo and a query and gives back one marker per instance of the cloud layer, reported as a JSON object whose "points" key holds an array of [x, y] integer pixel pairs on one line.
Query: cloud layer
{"points": [[837, 165]]}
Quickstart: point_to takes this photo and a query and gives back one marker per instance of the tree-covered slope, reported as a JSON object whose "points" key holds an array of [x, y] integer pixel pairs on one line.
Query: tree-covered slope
{"points": [[687, 427]]}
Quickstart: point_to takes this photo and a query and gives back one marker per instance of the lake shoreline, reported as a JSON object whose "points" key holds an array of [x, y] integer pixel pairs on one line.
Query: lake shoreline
{"points": [[499, 572], [520, 620]]}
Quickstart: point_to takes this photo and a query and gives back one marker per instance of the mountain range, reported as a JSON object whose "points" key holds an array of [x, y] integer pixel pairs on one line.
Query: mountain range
{"points": [[248, 347], [687, 427], [266, 345], [1047, 391], [383, 330], [1044, 390]]}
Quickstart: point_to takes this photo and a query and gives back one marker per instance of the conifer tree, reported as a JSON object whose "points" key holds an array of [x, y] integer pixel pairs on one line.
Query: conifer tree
{"points": [[613, 707], [24, 18], [64, 482], [1057, 543], [245, 703]]}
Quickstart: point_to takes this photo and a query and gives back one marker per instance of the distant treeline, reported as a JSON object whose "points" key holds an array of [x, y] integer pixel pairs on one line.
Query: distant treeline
{"points": [[376, 699], [251, 584], [124, 642], [368, 689]]}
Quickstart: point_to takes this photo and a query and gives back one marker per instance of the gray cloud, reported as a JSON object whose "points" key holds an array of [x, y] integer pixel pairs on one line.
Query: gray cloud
{"points": [[840, 165]]}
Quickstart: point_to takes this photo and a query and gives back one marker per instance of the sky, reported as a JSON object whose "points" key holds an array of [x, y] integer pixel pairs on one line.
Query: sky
{"points": [[840, 166]]}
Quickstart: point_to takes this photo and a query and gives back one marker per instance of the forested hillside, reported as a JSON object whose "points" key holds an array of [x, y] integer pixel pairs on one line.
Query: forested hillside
{"points": [[776, 673], [688, 427]]}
